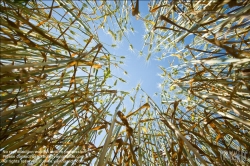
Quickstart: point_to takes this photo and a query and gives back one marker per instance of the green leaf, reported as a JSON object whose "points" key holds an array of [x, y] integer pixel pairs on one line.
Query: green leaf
{"points": [[121, 79]]}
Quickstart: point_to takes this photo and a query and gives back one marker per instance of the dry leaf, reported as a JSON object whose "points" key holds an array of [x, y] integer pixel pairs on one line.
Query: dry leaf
{"points": [[146, 105], [123, 118], [99, 127], [154, 9], [97, 66]]}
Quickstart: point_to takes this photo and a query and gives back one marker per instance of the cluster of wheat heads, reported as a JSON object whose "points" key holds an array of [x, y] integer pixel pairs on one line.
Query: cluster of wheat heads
{"points": [[208, 79]]}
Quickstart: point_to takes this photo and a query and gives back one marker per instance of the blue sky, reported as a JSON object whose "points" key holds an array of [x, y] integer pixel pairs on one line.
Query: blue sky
{"points": [[139, 70]]}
